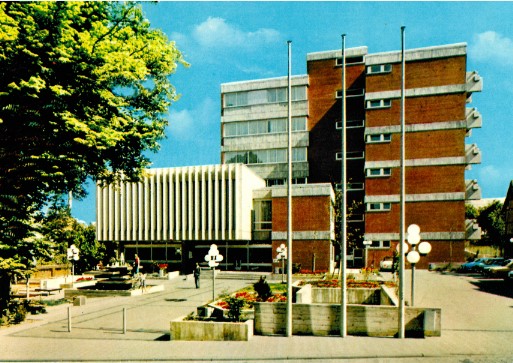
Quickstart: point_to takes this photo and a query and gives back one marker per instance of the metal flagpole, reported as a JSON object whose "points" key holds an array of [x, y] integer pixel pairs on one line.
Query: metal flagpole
{"points": [[289, 196], [343, 202], [402, 221]]}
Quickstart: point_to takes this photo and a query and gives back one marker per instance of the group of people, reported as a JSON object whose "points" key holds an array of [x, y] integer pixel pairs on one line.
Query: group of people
{"points": [[137, 265]]}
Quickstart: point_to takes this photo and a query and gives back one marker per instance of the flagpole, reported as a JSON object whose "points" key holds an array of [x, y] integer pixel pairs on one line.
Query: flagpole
{"points": [[343, 202], [402, 198], [289, 195]]}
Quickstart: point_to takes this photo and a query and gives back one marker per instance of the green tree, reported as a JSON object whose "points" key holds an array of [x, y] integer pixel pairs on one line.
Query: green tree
{"points": [[491, 221], [59, 227], [84, 88], [354, 231]]}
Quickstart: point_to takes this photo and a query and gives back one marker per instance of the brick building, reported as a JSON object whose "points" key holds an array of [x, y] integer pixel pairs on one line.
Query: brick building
{"points": [[437, 118]]}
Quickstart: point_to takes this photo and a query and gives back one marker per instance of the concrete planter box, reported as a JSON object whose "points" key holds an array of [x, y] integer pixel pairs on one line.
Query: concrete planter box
{"points": [[323, 320], [210, 330], [325, 295], [106, 293]]}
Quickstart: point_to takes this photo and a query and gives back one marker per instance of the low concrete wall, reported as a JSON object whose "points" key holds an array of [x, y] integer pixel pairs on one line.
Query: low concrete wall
{"points": [[324, 295], [323, 320], [68, 293], [210, 330]]}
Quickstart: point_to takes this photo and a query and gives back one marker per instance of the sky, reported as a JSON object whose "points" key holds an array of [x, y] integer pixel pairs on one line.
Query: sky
{"points": [[238, 41]]}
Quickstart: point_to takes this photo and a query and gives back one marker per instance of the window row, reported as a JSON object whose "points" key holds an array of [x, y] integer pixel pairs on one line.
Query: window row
{"points": [[382, 103], [272, 95], [380, 244], [378, 172], [350, 124], [269, 156], [379, 68], [350, 155], [378, 207], [273, 182], [263, 126], [351, 92], [377, 138]]}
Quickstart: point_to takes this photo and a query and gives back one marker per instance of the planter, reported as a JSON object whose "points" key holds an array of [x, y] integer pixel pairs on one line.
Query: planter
{"points": [[367, 320], [210, 330]]}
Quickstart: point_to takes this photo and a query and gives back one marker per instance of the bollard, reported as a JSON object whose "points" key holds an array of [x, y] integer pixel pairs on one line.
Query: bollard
{"points": [[69, 319], [124, 320]]}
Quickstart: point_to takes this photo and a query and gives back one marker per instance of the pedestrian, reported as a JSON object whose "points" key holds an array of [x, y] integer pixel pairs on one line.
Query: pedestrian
{"points": [[137, 264], [197, 273], [143, 282]]}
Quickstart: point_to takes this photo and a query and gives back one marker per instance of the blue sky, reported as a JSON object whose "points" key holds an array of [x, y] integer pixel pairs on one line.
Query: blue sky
{"points": [[236, 41]]}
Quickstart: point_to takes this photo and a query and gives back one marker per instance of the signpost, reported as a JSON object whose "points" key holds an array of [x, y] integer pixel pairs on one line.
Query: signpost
{"points": [[213, 258], [73, 253], [282, 255]]}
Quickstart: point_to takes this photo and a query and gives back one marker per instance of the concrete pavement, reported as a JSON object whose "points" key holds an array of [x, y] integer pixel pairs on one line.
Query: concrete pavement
{"points": [[477, 326]]}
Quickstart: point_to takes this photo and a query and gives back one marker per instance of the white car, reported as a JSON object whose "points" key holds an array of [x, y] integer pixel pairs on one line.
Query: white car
{"points": [[386, 264]]}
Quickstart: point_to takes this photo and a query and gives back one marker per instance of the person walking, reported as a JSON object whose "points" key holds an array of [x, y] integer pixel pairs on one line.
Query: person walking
{"points": [[197, 273]]}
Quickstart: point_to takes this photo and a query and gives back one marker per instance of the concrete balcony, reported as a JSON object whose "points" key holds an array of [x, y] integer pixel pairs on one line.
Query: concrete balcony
{"points": [[472, 230], [472, 154], [474, 82], [473, 118], [473, 191]]}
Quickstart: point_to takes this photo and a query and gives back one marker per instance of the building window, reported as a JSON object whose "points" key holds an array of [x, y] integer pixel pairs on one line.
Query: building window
{"points": [[350, 124], [380, 244], [262, 127], [351, 155], [268, 156], [351, 187], [263, 215], [351, 92], [377, 138], [384, 103], [378, 172], [379, 68], [378, 207], [257, 97], [349, 60]]}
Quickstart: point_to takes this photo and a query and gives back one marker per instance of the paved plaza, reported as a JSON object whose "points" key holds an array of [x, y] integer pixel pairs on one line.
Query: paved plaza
{"points": [[477, 326]]}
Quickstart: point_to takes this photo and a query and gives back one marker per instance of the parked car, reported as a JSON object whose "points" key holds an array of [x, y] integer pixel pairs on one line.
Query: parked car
{"points": [[509, 279], [495, 261], [499, 272], [386, 264], [468, 266]]}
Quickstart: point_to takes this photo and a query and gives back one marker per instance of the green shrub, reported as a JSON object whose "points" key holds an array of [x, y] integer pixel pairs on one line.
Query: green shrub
{"points": [[236, 304]]}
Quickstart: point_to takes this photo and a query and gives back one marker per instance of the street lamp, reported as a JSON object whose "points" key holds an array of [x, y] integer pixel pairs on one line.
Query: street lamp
{"points": [[413, 256], [213, 258], [73, 255], [282, 254], [366, 244]]}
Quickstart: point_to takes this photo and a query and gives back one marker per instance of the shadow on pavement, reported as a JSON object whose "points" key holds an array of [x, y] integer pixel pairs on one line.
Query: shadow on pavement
{"points": [[495, 286]]}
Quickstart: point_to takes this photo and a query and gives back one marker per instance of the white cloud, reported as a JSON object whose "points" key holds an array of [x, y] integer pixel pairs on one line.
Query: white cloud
{"points": [[492, 46], [217, 33], [186, 124]]}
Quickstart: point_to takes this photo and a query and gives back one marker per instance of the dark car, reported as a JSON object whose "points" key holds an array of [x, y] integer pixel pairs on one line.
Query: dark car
{"points": [[469, 266], [498, 272], [495, 261]]}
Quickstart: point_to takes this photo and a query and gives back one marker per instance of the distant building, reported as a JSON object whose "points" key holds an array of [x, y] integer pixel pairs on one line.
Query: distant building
{"points": [[174, 214], [438, 90]]}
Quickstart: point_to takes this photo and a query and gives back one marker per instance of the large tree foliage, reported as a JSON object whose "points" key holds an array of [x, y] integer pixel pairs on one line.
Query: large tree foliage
{"points": [[491, 221], [62, 230], [83, 92]]}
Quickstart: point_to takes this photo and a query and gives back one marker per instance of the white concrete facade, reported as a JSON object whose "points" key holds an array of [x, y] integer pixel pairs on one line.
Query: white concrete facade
{"points": [[212, 202]]}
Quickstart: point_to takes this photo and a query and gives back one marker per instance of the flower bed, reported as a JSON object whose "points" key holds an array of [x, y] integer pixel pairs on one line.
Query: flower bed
{"points": [[334, 283]]}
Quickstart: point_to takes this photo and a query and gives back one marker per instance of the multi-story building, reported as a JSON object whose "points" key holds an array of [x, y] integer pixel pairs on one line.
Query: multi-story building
{"points": [[438, 89]]}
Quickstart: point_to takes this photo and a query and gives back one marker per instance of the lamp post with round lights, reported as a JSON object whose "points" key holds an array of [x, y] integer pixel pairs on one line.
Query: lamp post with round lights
{"points": [[414, 255]]}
